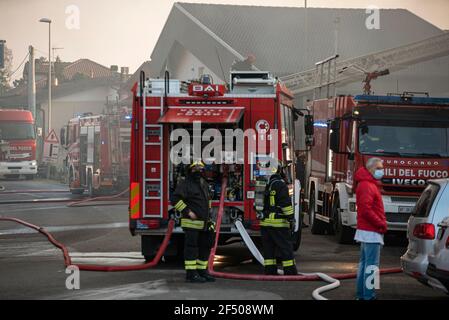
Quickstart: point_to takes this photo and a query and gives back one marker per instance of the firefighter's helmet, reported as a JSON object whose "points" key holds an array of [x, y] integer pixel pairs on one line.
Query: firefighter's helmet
{"points": [[276, 166], [273, 165], [197, 163]]}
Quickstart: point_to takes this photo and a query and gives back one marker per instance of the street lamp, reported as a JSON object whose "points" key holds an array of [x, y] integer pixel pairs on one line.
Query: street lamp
{"points": [[45, 20]]}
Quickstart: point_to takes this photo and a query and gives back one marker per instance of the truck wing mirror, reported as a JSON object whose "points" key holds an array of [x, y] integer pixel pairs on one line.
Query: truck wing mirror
{"points": [[296, 114], [308, 125], [334, 143], [363, 128]]}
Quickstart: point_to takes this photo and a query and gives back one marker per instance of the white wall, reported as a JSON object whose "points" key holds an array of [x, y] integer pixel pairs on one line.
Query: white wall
{"points": [[183, 65]]}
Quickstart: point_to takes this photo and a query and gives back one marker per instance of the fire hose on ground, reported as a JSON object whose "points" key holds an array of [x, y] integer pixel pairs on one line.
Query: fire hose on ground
{"points": [[104, 200], [83, 202], [85, 267], [2, 191], [332, 279]]}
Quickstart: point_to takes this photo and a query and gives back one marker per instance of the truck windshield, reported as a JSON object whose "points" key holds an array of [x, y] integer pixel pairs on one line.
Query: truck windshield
{"points": [[398, 140], [16, 131]]}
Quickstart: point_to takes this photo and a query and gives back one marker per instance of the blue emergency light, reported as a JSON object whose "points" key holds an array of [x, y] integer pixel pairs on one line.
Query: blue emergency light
{"points": [[402, 99]]}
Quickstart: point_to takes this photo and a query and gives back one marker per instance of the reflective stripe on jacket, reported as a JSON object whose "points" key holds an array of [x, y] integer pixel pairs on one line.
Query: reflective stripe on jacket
{"points": [[278, 207], [192, 195]]}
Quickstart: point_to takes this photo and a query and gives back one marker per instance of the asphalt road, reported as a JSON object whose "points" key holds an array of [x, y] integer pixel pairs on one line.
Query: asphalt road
{"points": [[30, 268]]}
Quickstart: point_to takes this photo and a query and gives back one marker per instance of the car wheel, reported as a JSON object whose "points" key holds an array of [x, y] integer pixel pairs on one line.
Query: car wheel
{"points": [[344, 234], [71, 180]]}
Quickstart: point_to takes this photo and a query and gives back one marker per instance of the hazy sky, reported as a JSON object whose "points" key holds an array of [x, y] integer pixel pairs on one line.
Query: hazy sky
{"points": [[125, 32]]}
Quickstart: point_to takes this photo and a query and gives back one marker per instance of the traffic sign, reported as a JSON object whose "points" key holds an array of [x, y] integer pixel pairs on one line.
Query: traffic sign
{"points": [[52, 137], [51, 146]]}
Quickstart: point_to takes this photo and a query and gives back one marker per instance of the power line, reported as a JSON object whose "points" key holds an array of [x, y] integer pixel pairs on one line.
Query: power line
{"points": [[41, 51], [21, 64]]}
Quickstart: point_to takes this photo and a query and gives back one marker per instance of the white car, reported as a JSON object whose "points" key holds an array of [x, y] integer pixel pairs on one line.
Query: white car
{"points": [[438, 268], [430, 209]]}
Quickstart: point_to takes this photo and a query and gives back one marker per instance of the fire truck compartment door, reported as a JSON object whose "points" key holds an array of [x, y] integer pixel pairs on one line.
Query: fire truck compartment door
{"points": [[204, 114]]}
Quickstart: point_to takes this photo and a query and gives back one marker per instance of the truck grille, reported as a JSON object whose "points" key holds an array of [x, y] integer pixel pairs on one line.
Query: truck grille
{"points": [[403, 189], [398, 217]]}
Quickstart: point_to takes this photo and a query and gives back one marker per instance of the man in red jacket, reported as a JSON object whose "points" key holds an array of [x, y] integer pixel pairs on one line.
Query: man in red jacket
{"points": [[371, 226]]}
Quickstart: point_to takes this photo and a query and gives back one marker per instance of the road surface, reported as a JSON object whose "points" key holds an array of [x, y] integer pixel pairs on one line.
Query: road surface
{"points": [[30, 268]]}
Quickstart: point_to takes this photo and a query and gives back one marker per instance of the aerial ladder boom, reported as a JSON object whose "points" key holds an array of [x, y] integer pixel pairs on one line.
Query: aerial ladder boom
{"points": [[355, 69]]}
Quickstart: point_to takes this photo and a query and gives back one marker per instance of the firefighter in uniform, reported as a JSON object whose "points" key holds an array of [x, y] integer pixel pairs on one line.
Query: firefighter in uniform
{"points": [[277, 223], [192, 199]]}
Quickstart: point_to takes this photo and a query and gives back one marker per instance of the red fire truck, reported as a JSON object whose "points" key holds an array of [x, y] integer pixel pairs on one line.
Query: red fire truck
{"points": [[97, 152], [255, 102], [17, 143], [409, 132]]}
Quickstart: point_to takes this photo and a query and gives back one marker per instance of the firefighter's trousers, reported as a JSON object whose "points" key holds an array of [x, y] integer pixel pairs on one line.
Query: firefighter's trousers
{"points": [[277, 242], [197, 247]]}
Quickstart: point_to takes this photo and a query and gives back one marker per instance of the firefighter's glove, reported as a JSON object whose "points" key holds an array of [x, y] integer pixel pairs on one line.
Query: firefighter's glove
{"points": [[211, 226], [259, 212], [292, 224]]}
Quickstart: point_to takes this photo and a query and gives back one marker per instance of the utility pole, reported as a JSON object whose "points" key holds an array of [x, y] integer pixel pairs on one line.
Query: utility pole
{"points": [[32, 84], [45, 20], [2, 54]]}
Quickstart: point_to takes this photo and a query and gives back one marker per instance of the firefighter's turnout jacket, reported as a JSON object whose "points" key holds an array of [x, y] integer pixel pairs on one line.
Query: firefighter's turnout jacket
{"points": [[276, 235], [193, 195], [278, 209]]}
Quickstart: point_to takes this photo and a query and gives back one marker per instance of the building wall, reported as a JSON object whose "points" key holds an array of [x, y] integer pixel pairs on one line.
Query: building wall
{"points": [[183, 65], [67, 107]]}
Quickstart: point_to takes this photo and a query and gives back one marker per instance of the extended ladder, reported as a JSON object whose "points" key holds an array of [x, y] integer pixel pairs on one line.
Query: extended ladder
{"points": [[152, 138], [394, 59]]}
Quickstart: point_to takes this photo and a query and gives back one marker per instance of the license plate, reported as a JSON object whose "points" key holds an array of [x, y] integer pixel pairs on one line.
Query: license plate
{"points": [[405, 209], [15, 171]]}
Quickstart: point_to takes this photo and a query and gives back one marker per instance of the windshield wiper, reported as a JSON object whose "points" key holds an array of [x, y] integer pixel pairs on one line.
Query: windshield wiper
{"points": [[425, 155]]}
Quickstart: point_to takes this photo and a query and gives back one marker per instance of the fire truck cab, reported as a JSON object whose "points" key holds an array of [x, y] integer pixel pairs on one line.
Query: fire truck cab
{"points": [[409, 133], [17, 144], [172, 119], [97, 152]]}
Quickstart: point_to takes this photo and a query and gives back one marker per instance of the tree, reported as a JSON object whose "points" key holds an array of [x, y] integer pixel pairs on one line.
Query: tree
{"points": [[59, 69], [5, 73]]}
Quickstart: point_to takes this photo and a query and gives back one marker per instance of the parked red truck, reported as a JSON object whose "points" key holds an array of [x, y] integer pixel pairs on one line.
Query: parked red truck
{"points": [[409, 133], [97, 152], [17, 144]]}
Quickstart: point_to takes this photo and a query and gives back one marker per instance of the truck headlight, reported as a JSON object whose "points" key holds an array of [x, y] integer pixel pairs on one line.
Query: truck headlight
{"points": [[33, 163]]}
